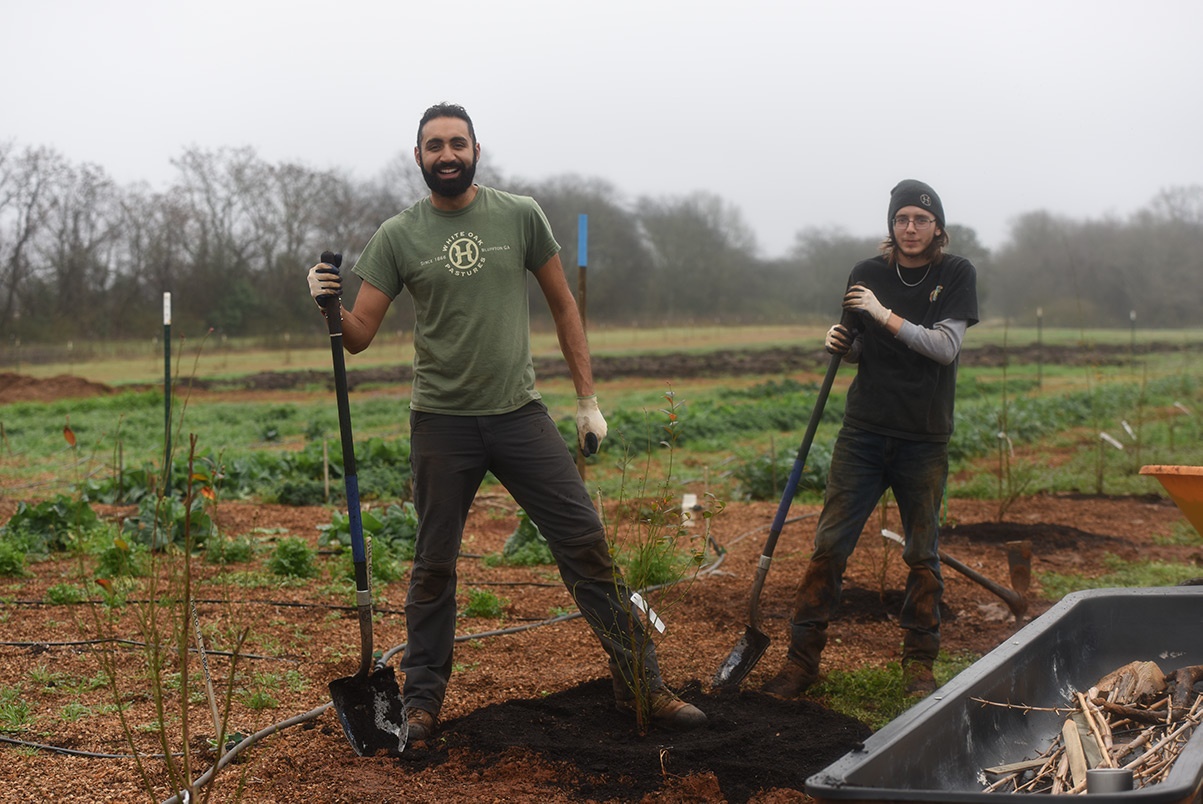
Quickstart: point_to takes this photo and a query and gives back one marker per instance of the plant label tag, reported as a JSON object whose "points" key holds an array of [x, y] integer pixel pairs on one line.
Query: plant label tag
{"points": [[652, 617]]}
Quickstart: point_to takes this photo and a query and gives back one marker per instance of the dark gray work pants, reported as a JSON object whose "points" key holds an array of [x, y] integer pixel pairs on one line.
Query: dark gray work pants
{"points": [[449, 456], [863, 466]]}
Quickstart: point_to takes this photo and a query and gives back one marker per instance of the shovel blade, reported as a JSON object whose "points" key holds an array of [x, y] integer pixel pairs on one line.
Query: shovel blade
{"points": [[372, 712], [743, 658]]}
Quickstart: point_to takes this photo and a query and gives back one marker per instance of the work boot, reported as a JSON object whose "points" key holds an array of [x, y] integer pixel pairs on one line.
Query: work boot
{"points": [[668, 710], [918, 679], [791, 682], [422, 725]]}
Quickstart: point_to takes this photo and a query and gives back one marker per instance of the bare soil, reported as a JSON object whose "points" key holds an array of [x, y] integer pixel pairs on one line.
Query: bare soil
{"points": [[676, 365], [529, 714]]}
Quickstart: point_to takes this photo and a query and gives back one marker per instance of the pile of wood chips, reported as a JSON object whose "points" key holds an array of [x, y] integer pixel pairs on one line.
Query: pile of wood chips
{"points": [[1135, 717]]}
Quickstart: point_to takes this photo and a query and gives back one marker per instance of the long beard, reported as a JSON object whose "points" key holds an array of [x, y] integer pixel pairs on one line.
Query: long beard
{"points": [[450, 187]]}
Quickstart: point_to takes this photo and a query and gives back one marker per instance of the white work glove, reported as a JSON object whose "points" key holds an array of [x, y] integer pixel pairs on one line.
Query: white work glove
{"points": [[590, 424], [324, 280], [838, 340], [862, 300]]}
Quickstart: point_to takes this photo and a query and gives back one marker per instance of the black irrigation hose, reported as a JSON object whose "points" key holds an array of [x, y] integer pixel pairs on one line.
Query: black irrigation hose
{"points": [[316, 712], [134, 644], [208, 775], [228, 756], [284, 604], [75, 753], [276, 603]]}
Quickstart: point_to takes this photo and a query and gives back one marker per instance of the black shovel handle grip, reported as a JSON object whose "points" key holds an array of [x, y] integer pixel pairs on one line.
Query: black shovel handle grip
{"points": [[335, 261]]}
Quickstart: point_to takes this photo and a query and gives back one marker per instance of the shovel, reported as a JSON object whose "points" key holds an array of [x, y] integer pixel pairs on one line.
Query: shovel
{"points": [[754, 642], [1020, 571], [369, 705]]}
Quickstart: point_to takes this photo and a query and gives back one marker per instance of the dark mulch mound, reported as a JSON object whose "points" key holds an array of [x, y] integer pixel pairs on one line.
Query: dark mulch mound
{"points": [[1047, 536], [753, 742]]}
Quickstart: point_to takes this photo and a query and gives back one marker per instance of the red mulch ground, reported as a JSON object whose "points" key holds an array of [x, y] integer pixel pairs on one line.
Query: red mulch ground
{"points": [[528, 716]]}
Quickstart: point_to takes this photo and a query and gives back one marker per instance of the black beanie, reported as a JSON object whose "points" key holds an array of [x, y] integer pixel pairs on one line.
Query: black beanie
{"points": [[913, 193]]}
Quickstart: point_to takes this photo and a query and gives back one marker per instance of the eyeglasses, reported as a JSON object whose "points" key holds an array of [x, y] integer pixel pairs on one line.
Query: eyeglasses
{"points": [[901, 222]]}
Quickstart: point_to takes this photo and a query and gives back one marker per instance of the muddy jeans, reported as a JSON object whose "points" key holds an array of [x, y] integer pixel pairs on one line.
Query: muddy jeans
{"points": [[863, 466], [449, 456]]}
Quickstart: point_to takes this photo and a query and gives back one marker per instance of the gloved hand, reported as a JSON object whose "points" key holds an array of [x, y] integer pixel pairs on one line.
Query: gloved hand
{"points": [[838, 340], [324, 281], [590, 424], [862, 300]]}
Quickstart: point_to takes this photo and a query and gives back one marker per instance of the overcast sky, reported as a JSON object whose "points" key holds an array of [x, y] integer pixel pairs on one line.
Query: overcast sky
{"points": [[799, 113]]}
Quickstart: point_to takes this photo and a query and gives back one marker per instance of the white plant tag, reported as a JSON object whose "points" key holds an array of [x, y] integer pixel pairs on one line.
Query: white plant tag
{"points": [[652, 617]]}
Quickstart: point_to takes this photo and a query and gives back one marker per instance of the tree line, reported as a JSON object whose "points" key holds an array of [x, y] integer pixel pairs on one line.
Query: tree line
{"points": [[82, 257]]}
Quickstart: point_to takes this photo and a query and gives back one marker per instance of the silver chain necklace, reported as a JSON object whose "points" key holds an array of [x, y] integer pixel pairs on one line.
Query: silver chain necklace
{"points": [[898, 270]]}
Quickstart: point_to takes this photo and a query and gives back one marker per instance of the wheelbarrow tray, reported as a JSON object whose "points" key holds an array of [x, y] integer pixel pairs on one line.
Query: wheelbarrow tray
{"points": [[937, 750]]}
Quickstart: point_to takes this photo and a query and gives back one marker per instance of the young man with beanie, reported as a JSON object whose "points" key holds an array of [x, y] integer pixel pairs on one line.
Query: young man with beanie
{"points": [[915, 302], [465, 253]]}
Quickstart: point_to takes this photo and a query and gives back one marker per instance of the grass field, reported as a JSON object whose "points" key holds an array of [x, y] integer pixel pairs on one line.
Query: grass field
{"points": [[207, 355], [738, 434]]}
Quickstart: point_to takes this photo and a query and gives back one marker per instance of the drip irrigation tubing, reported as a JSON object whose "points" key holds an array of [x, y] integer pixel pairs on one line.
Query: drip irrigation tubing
{"points": [[208, 775], [77, 753], [275, 728], [133, 643]]}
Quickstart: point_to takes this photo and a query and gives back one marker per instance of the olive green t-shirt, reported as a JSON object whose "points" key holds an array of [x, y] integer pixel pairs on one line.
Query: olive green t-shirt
{"points": [[466, 273]]}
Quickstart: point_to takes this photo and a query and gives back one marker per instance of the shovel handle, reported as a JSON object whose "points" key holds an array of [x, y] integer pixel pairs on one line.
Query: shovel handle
{"points": [[1015, 601], [363, 592], [795, 475], [791, 488]]}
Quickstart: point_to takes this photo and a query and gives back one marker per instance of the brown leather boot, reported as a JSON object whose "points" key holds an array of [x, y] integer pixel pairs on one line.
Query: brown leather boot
{"points": [[422, 725], [667, 709], [918, 679], [791, 682]]}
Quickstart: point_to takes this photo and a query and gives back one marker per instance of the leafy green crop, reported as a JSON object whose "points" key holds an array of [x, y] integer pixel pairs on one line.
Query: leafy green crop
{"points": [[525, 547], [167, 520], [397, 525], [484, 604], [293, 558], [51, 525]]}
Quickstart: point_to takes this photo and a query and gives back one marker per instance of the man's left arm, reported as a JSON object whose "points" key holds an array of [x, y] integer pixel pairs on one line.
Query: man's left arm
{"points": [[570, 332], [941, 343]]}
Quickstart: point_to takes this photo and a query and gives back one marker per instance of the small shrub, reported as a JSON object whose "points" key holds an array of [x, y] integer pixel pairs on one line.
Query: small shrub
{"points": [[654, 563], [293, 558], [259, 700], [525, 547], [121, 559], [162, 521], [484, 604], [386, 567], [73, 711], [396, 526], [230, 551], [65, 594], [764, 478], [52, 525], [14, 711], [12, 560]]}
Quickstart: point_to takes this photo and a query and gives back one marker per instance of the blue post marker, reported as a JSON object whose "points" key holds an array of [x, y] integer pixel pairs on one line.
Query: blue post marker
{"points": [[582, 240], [167, 393], [582, 262]]}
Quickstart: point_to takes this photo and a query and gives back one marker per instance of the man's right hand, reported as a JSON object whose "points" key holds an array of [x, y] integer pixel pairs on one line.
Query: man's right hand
{"points": [[324, 280], [838, 340]]}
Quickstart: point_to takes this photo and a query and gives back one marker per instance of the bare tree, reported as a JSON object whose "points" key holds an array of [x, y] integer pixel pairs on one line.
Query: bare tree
{"points": [[76, 251], [26, 180], [704, 255]]}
